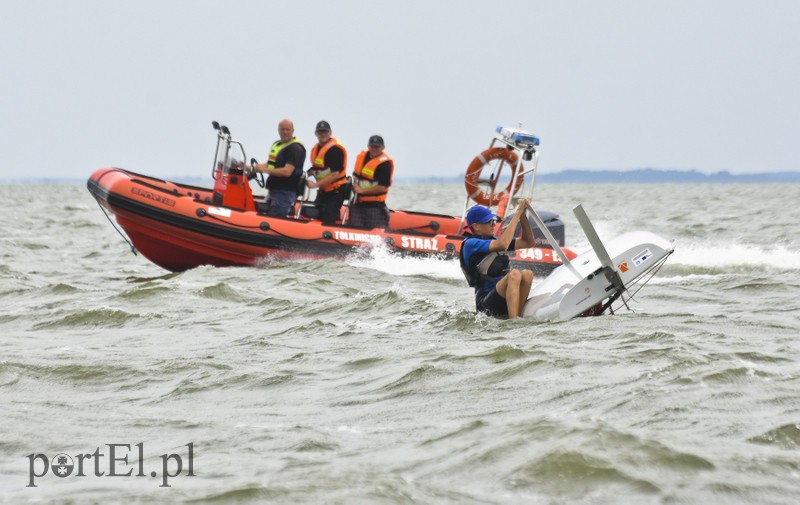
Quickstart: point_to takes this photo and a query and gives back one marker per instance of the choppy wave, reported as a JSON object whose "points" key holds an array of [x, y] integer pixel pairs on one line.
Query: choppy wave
{"points": [[786, 436], [380, 258], [373, 380], [105, 317], [714, 258]]}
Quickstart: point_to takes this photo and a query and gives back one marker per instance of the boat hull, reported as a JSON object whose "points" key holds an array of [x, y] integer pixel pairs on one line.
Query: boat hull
{"points": [[567, 293], [177, 227]]}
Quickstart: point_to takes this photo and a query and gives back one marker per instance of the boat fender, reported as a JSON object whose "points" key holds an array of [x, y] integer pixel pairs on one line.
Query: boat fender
{"points": [[502, 207], [348, 190], [264, 226], [301, 185]]}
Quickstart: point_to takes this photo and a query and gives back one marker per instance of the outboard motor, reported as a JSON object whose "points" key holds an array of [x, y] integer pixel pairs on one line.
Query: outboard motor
{"points": [[231, 184], [553, 223]]}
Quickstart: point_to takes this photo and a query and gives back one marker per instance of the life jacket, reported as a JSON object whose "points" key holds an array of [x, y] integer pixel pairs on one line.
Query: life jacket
{"points": [[365, 175], [483, 266], [318, 169], [276, 148], [291, 183]]}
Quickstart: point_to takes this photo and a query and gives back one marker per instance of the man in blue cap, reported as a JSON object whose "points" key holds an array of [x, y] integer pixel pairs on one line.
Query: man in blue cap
{"points": [[498, 291]]}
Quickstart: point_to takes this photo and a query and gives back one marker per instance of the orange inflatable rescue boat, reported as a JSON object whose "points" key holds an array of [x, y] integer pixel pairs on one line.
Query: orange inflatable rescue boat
{"points": [[179, 226]]}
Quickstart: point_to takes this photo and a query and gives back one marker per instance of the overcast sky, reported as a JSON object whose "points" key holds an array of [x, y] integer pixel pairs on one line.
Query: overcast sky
{"points": [[613, 84]]}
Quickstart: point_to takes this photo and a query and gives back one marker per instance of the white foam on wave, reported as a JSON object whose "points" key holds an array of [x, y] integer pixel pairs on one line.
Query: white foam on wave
{"points": [[682, 279], [382, 259], [735, 256], [718, 255], [729, 256]]}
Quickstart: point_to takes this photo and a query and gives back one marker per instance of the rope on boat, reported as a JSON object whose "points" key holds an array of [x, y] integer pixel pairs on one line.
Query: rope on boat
{"points": [[271, 229], [133, 249], [653, 272], [267, 230], [433, 225]]}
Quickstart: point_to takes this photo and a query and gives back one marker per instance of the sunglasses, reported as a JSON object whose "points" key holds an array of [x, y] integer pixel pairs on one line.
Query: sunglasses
{"points": [[492, 221]]}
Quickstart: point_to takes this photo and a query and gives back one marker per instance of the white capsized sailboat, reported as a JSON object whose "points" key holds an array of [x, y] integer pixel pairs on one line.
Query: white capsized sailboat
{"points": [[593, 281]]}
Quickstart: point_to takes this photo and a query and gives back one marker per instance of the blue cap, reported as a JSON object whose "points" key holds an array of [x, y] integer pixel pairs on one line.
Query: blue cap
{"points": [[480, 214]]}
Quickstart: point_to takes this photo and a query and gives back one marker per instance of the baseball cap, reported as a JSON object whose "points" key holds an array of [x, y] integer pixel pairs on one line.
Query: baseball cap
{"points": [[480, 214], [323, 126], [375, 140]]}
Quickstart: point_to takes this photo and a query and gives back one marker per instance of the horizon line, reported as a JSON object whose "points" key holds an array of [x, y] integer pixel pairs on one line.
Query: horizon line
{"points": [[691, 175]]}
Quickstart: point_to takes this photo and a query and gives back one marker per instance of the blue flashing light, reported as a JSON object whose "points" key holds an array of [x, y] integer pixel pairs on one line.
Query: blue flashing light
{"points": [[518, 136], [525, 138]]}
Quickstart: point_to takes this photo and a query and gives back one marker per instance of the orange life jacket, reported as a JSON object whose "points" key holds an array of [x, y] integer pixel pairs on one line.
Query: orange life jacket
{"points": [[318, 169], [365, 175]]}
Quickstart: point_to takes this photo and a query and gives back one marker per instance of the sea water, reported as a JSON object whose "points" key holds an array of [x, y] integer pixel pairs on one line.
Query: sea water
{"points": [[372, 380]]}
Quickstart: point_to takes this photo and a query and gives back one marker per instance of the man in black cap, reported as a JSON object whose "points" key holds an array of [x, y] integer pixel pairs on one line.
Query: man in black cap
{"points": [[372, 178], [328, 168]]}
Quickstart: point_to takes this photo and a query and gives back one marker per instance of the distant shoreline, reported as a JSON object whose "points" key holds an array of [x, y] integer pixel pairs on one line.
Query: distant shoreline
{"points": [[572, 176], [642, 176]]}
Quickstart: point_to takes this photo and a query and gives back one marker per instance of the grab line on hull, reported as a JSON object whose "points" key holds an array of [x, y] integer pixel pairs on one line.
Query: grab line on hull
{"points": [[327, 235], [133, 248]]}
